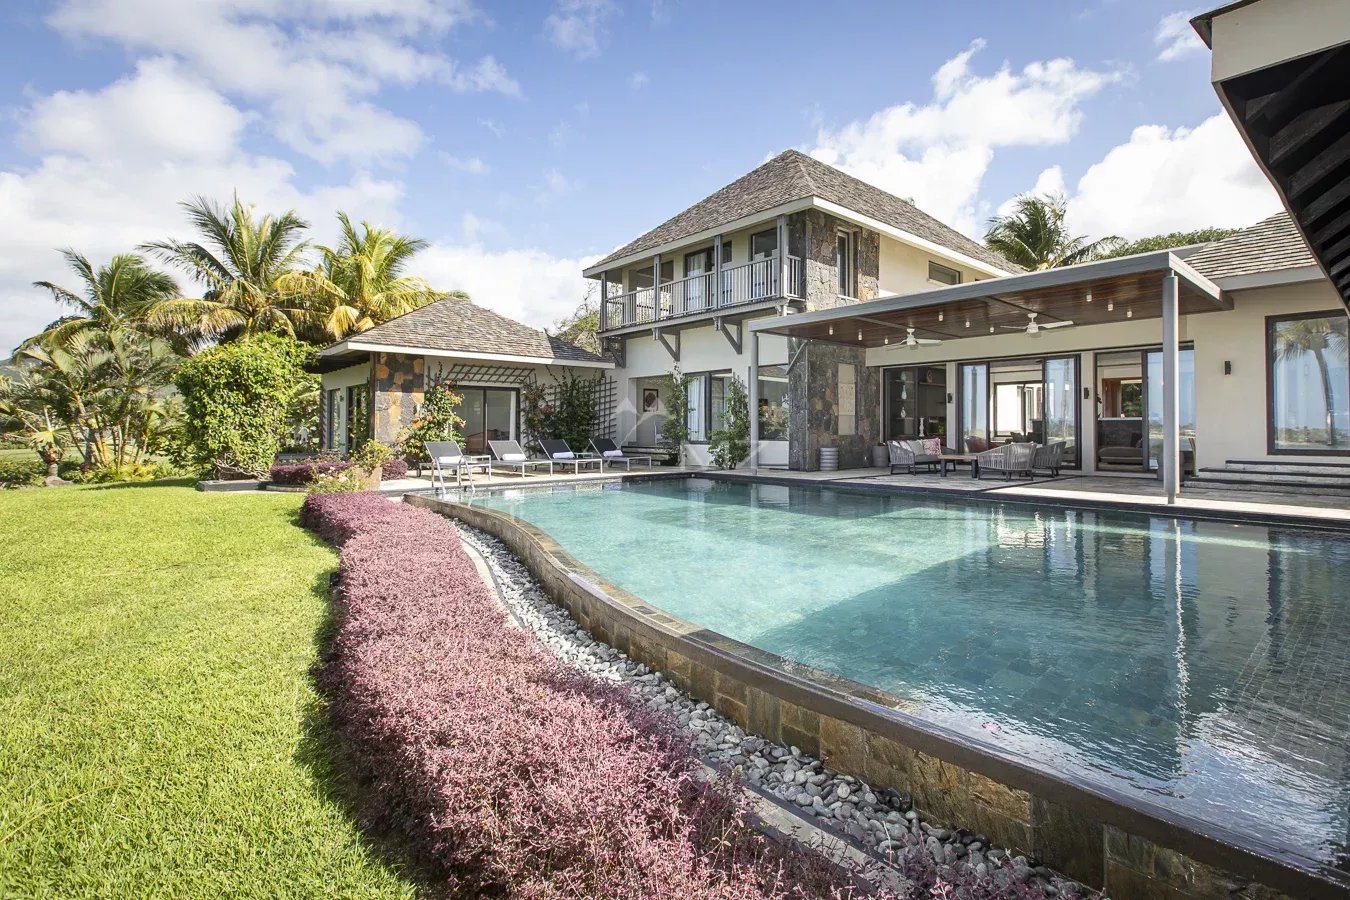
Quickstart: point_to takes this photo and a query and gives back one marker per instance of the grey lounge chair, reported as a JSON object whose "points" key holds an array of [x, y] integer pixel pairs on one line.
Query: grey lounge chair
{"points": [[1049, 457], [611, 455], [509, 456], [1010, 459], [446, 456], [561, 455]]}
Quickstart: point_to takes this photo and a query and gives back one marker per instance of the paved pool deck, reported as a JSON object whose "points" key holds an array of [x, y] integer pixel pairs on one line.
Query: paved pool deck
{"points": [[1069, 489]]}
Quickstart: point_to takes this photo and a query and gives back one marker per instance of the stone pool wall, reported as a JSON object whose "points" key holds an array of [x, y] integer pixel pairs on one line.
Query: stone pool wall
{"points": [[1101, 840]]}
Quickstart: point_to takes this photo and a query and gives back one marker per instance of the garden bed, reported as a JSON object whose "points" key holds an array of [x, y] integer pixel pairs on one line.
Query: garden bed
{"points": [[505, 770]]}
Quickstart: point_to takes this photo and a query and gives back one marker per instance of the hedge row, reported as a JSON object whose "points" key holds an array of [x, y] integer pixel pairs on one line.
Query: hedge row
{"points": [[306, 472], [506, 772]]}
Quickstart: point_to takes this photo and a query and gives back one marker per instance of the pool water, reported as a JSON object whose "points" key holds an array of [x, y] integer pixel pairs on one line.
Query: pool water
{"points": [[1203, 664]]}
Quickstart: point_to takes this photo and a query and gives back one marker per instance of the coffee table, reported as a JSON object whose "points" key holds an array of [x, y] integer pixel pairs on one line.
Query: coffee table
{"points": [[951, 459]]}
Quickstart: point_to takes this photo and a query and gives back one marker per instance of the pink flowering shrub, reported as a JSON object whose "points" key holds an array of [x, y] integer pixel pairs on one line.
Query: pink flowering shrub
{"points": [[506, 772], [394, 468]]}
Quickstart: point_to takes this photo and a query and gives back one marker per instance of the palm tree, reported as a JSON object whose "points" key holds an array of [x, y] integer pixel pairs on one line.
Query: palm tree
{"points": [[360, 282], [1318, 337], [1035, 235], [110, 299], [241, 261], [28, 414]]}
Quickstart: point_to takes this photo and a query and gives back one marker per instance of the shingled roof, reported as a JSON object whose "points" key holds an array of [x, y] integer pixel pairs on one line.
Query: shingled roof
{"points": [[457, 325], [1268, 246], [793, 175]]}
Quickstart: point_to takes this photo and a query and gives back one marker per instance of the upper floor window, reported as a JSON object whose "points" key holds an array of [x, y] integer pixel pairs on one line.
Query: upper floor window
{"points": [[764, 244], [942, 274], [843, 263]]}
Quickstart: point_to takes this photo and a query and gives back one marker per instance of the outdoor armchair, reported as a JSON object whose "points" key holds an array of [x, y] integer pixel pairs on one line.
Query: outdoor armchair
{"points": [[509, 456], [610, 454], [1049, 457], [561, 455], [1010, 459], [910, 454]]}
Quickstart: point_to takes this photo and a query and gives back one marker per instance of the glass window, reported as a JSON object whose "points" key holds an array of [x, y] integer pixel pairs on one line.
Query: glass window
{"points": [[1309, 383], [489, 414], [698, 385], [358, 416], [848, 400], [843, 262], [942, 274], [773, 403], [334, 439], [764, 244], [717, 401], [975, 401]]}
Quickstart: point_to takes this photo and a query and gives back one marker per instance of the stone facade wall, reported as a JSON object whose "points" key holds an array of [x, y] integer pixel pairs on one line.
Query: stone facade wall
{"points": [[397, 385], [814, 403], [812, 236]]}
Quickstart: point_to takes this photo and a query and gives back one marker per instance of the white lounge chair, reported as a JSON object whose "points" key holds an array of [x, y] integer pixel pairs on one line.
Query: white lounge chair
{"points": [[611, 455], [446, 456], [509, 456], [561, 455]]}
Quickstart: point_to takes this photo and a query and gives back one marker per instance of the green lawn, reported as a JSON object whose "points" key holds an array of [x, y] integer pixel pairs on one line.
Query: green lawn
{"points": [[159, 731]]}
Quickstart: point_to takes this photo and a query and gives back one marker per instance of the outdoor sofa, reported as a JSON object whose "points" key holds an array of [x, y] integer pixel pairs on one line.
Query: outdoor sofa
{"points": [[1049, 457], [909, 455], [610, 454], [509, 456], [1010, 459], [561, 455]]}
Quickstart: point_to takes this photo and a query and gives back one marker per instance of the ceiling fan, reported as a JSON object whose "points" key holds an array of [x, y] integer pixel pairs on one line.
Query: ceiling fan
{"points": [[912, 341], [1034, 327]]}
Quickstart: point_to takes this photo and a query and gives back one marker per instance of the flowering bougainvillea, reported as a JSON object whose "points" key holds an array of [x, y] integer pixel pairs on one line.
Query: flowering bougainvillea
{"points": [[507, 772]]}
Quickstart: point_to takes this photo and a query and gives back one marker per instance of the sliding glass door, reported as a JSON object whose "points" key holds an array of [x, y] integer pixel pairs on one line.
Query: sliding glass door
{"points": [[1060, 414], [1153, 406], [489, 414], [973, 384]]}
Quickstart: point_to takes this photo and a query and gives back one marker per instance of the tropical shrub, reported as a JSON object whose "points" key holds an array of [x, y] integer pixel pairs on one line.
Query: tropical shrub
{"points": [[675, 428], [436, 420], [730, 444], [16, 471], [236, 401], [507, 772], [395, 467], [302, 473], [569, 416]]}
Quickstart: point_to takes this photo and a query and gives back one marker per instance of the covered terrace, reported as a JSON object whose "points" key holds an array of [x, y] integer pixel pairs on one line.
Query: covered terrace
{"points": [[1153, 286]]}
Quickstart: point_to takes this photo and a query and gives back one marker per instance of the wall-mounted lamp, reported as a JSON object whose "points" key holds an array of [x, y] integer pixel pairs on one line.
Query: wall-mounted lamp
{"points": [[949, 398], [1228, 367], [1087, 393], [831, 328]]}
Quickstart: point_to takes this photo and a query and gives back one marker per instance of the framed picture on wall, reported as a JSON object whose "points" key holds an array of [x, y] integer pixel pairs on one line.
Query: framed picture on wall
{"points": [[651, 399]]}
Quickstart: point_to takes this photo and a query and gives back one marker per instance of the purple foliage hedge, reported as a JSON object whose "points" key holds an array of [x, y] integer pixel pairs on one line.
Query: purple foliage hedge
{"points": [[302, 473], [506, 772], [394, 468]]}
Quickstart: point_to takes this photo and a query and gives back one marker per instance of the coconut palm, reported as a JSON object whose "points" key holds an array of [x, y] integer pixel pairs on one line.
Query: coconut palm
{"points": [[361, 281], [1035, 235], [1319, 337], [240, 262], [110, 299]]}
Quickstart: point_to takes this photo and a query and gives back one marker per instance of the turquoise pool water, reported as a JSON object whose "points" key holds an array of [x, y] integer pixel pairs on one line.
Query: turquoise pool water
{"points": [[1205, 665]]}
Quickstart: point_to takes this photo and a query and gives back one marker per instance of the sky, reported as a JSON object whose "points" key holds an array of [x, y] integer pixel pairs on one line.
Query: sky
{"points": [[526, 139]]}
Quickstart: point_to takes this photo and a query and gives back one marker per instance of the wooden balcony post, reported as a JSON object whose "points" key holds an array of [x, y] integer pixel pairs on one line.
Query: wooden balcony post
{"points": [[782, 256], [717, 271], [656, 287], [604, 300]]}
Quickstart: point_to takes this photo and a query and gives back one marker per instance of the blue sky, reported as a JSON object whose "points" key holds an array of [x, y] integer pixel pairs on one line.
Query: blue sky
{"points": [[523, 139]]}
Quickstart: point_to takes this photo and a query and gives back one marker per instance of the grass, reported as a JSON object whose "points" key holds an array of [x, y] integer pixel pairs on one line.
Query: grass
{"points": [[159, 731]]}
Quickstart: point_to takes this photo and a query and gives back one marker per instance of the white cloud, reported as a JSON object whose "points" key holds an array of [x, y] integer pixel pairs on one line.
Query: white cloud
{"points": [[939, 151], [1175, 38], [495, 127], [470, 164], [556, 184], [560, 135], [315, 65], [638, 80], [530, 286], [1163, 180], [113, 166], [579, 26]]}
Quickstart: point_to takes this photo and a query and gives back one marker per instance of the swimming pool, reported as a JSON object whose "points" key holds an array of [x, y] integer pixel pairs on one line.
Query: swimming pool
{"points": [[1205, 665]]}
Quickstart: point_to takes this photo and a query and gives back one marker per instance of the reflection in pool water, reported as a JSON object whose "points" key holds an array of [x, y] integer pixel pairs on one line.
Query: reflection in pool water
{"points": [[1206, 664]]}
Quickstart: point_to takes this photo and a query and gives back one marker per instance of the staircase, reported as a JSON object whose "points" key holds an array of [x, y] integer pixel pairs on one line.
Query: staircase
{"points": [[1319, 479]]}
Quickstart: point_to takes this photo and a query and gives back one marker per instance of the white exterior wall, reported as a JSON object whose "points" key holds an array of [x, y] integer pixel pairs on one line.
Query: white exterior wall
{"points": [[904, 268], [1231, 410], [702, 349]]}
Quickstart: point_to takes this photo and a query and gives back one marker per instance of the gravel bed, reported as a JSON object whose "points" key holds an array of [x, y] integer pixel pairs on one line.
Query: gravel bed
{"points": [[883, 822]]}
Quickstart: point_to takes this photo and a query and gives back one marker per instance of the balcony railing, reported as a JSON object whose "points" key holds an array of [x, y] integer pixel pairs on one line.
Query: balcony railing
{"points": [[748, 282]]}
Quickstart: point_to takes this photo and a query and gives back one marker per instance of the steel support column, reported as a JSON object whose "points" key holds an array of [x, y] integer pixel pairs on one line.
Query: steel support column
{"points": [[1171, 365]]}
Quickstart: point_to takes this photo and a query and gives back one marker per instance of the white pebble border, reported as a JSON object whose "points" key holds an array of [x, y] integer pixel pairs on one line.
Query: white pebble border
{"points": [[883, 822]]}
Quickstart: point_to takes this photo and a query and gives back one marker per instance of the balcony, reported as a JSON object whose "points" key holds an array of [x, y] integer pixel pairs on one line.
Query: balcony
{"points": [[748, 283]]}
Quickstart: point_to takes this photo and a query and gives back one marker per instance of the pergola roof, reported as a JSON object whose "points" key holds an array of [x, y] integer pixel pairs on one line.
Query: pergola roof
{"points": [[1114, 290]]}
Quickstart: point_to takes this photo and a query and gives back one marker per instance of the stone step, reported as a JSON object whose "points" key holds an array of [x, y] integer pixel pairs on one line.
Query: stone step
{"points": [[1270, 486], [1292, 467], [1277, 476]]}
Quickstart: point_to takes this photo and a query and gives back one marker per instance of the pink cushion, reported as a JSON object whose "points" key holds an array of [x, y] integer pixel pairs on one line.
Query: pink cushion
{"points": [[932, 446]]}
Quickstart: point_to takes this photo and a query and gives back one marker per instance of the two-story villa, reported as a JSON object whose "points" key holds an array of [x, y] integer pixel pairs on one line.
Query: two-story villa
{"points": [[794, 235]]}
